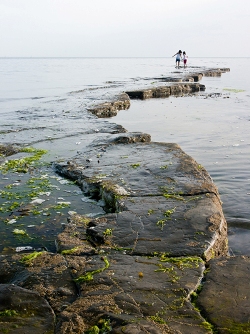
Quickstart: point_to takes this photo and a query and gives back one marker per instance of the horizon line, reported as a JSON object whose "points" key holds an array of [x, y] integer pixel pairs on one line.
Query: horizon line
{"points": [[106, 57]]}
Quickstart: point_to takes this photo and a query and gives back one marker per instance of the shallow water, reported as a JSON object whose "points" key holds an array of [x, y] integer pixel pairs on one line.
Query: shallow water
{"points": [[43, 103]]}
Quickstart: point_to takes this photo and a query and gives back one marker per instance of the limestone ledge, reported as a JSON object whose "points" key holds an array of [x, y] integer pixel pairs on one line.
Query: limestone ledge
{"points": [[178, 85]]}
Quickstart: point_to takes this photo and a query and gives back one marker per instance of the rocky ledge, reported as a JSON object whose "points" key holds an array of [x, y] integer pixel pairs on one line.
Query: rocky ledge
{"points": [[166, 91], [178, 85], [148, 266], [109, 109], [156, 262]]}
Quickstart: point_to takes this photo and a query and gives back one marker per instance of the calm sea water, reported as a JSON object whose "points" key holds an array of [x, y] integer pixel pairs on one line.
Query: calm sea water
{"points": [[43, 98]]}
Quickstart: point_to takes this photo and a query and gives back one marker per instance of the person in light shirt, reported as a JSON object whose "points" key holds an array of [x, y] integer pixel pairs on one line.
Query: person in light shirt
{"points": [[178, 58]]}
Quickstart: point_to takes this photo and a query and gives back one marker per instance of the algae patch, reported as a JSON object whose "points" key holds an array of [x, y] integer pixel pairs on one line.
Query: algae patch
{"points": [[8, 313], [103, 327], [22, 165], [167, 214], [233, 327], [70, 251], [90, 275], [233, 90], [183, 262], [174, 196], [19, 232], [108, 232], [27, 259], [135, 165]]}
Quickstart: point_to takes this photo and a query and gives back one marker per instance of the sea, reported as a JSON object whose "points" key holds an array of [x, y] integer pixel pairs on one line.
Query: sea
{"points": [[44, 102]]}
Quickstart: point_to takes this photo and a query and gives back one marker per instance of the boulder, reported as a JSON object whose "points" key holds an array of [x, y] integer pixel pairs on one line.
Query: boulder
{"points": [[22, 311], [46, 273], [225, 294], [109, 109]]}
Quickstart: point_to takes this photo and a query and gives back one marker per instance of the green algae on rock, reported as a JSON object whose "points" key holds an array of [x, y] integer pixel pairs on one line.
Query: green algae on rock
{"points": [[27, 259], [90, 275], [22, 165]]}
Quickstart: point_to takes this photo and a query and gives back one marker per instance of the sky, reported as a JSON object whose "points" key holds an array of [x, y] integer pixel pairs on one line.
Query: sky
{"points": [[131, 28]]}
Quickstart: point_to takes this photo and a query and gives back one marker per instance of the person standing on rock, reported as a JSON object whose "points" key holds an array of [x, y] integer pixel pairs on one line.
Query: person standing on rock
{"points": [[178, 58], [185, 59]]}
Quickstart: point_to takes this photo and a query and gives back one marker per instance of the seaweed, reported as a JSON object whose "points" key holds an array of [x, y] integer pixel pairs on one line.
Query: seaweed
{"points": [[27, 259], [8, 313], [89, 276], [103, 327]]}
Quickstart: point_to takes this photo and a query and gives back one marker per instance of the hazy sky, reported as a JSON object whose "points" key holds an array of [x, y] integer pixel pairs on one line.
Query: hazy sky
{"points": [[128, 28]]}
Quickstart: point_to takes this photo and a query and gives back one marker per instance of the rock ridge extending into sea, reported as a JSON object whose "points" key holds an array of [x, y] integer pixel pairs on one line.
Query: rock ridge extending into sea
{"points": [[156, 262]]}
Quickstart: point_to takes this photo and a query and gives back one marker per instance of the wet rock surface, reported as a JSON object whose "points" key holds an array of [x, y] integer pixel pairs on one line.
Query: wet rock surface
{"points": [[178, 85], [47, 273], [109, 109], [22, 310], [155, 262], [131, 293], [166, 91], [165, 203], [224, 298], [139, 289]]}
